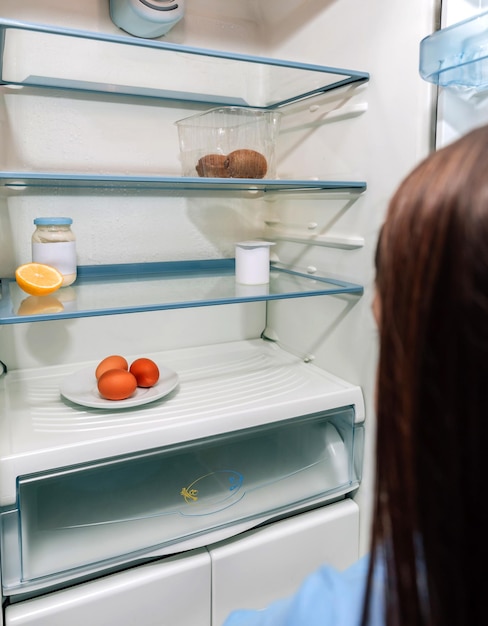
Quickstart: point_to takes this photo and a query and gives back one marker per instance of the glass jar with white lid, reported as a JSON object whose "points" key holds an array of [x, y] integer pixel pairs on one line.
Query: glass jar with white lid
{"points": [[53, 243]]}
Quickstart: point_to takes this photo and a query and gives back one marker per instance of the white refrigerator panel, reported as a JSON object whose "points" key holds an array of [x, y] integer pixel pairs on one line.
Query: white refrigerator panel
{"points": [[269, 563], [174, 592]]}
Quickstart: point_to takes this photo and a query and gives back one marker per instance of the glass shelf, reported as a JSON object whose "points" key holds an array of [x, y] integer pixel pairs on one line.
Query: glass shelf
{"points": [[47, 56], [18, 181], [131, 288], [457, 55]]}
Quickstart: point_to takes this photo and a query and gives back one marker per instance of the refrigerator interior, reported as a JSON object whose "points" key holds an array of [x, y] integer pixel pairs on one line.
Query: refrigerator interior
{"points": [[374, 132]]}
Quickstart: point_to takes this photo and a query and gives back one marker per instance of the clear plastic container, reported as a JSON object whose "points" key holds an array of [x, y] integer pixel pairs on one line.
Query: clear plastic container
{"points": [[53, 243], [229, 142]]}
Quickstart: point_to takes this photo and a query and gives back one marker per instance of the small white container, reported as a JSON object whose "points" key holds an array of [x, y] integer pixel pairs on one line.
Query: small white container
{"points": [[146, 18], [252, 262]]}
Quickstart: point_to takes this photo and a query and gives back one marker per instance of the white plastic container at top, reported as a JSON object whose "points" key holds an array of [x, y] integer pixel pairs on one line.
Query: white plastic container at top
{"points": [[146, 18]]}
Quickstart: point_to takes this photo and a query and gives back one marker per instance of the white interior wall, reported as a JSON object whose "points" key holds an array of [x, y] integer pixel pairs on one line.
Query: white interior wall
{"points": [[51, 130]]}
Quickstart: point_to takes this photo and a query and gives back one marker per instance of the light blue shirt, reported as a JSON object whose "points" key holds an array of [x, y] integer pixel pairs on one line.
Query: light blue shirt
{"points": [[327, 597]]}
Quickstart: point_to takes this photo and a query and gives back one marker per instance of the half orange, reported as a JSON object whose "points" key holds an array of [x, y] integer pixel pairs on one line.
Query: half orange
{"points": [[38, 279]]}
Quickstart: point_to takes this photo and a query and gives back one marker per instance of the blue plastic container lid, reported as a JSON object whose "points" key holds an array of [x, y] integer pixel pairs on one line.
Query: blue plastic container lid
{"points": [[49, 221]]}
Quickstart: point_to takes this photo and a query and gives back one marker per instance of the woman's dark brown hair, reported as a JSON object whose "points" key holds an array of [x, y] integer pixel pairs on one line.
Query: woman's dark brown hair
{"points": [[430, 523]]}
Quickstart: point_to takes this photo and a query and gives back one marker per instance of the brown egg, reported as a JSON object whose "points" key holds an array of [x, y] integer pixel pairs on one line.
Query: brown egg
{"points": [[212, 166], [146, 372], [110, 363], [117, 384], [246, 164]]}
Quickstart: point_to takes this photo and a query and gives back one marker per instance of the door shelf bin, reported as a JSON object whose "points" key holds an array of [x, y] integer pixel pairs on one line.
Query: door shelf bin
{"points": [[457, 55], [72, 518]]}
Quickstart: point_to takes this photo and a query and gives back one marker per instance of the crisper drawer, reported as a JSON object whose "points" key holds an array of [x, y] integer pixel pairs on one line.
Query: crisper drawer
{"points": [[91, 517]]}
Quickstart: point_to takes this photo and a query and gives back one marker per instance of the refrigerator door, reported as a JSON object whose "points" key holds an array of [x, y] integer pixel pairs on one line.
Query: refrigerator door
{"points": [[151, 595], [270, 563]]}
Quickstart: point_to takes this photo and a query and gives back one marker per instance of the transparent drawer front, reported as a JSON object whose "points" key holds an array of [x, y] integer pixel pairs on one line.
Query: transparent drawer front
{"points": [[80, 516]]}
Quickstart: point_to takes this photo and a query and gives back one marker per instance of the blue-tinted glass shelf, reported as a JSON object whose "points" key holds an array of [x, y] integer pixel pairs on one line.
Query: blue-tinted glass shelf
{"points": [[120, 64], [457, 55], [132, 288], [32, 180]]}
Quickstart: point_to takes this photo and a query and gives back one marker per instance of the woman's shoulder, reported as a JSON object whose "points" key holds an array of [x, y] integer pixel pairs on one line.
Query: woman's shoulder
{"points": [[326, 597]]}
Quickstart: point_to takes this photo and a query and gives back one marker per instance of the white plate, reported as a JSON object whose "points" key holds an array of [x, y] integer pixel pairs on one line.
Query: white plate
{"points": [[81, 388]]}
